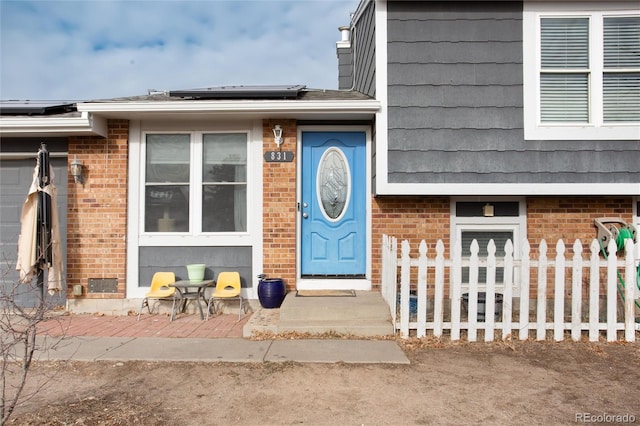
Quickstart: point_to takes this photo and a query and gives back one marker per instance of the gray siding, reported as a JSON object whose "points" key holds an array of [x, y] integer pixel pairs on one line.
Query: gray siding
{"points": [[456, 106], [175, 259], [345, 68], [364, 52]]}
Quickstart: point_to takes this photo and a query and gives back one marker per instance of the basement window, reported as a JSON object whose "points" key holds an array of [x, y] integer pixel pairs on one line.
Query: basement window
{"points": [[483, 221]]}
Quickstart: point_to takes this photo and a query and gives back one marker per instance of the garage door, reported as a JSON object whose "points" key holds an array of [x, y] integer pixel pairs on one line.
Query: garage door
{"points": [[15, 179]]}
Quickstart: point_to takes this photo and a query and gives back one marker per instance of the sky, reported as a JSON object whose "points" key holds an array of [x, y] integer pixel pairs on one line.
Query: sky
{"points": [[96, 49]]}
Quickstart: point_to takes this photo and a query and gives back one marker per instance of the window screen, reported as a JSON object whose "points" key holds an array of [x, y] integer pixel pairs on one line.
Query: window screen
{"points": [[621, 79], [564, 79], [483, 237], [167, 172]]}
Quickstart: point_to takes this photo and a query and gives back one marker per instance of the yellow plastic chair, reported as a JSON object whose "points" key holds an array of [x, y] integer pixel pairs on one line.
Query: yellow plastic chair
{"points": [[228, 287], [159, 289]]}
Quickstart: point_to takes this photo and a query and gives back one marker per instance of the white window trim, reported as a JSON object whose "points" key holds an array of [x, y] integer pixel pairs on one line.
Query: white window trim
{"points": [[136, 238], [516, 224], [596, 129], [195, 193]]}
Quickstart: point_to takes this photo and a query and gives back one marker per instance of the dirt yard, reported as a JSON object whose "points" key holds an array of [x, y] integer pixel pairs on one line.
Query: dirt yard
{"points": [[502, 383]]}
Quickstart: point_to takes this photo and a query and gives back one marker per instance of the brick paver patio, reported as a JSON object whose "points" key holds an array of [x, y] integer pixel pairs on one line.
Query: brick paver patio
{"points": [[149, 326]]}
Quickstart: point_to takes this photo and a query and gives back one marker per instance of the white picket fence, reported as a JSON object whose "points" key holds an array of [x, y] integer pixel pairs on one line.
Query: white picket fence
{"points": [[429, 291]]}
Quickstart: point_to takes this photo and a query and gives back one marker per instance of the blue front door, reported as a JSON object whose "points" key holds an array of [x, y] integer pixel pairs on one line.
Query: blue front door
{"points": [[333, 205]]}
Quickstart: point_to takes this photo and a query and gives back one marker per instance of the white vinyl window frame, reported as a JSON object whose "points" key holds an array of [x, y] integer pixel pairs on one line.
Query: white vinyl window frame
{"points": [[137, 158], [596, 128], [515, 224], [136, 237], [195, 183]]}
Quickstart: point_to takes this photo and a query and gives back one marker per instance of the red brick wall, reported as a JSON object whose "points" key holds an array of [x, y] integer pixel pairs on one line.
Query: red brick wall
{"points": [[428, 218], [97, 211], [279, 205], [571, 218], [408, 218]]}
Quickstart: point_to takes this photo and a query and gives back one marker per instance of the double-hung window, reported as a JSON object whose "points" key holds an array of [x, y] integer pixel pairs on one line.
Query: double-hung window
{"points": [[195, 183], [581, 72], [564, 70], [224, 182]]}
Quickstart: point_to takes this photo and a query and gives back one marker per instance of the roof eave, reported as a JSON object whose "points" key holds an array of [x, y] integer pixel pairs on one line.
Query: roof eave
{"points": [[85, 125], [248, 109]]}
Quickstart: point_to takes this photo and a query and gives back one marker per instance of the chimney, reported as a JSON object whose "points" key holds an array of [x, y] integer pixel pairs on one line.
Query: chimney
{"points": [[345, 59], [345, 34]]}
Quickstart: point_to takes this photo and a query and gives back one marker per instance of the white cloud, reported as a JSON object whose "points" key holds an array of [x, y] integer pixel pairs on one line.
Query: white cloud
{"points": [[103, 49]]}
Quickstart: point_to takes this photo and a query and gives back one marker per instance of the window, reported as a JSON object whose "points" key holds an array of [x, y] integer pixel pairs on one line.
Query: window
{"points": [[472, 221], [224, 183], [583, 79], [564, 76], [483, 237], [167, 183], [621, 78], [195, 183]]}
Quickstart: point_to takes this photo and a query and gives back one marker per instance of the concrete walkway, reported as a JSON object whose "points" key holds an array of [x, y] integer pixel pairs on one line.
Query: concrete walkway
{"points": [[155, 338], [219, 350]]}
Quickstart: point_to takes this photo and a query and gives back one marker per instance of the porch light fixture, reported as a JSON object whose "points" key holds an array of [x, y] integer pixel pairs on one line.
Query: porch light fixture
{"points": [[76, 170], [487, 210], [277, 134]]}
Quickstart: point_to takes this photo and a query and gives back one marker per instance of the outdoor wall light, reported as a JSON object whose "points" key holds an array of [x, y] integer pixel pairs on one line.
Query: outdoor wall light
{"points": [[76, 170], [277, 134], [487, 210]]}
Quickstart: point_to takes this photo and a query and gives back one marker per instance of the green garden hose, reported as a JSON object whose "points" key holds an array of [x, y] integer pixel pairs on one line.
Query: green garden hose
{"points": [[623, 235]]}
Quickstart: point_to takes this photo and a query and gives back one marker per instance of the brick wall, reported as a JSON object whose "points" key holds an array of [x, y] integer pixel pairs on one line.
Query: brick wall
{"points": [[279, 205], [408, 218], [571, 218], [97, 211], [568, 218]]}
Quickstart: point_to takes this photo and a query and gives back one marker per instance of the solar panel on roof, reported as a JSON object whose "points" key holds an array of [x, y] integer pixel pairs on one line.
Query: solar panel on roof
{"points": [[241, 92], [26, 107]]}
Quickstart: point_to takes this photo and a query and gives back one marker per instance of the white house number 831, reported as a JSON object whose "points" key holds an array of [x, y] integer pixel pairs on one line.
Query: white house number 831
{"points": [[278, 156]]}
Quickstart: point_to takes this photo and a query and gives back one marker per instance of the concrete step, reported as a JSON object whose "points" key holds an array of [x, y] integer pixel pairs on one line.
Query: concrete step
{"points": [[364, 315], [351, 328], [365, 306]]}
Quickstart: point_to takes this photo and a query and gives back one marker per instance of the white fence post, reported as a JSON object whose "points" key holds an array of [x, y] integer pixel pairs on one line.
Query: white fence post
{"points": [[576, 291], [456, 287], [594, 292], [612, 296], [525, 279], [629, 293], [422, 291], [507, 295], [389, 274], [472, 300], [558, 306], [490, 293], [541, 317], [438, 302], [405, 275]]}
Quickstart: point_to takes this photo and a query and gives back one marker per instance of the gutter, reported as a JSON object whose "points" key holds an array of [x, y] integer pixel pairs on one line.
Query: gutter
{"points": [[85, 125], [113, 109]]}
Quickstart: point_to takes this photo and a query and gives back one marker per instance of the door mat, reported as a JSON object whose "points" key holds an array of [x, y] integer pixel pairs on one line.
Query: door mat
{"points": [[325, 293]]}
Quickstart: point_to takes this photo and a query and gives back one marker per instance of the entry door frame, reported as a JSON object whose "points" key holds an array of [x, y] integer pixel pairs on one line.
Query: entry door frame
{"points": [[340, 283]]}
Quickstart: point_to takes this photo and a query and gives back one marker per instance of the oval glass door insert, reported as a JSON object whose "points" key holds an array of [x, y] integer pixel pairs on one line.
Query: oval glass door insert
{"points": [[333, 184]]}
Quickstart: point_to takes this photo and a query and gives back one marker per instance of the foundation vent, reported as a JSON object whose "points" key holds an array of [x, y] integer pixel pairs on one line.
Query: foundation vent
{"points": [[103, 285]]}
